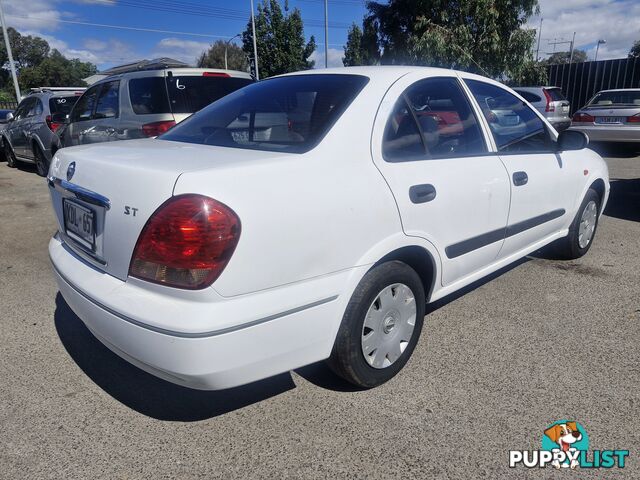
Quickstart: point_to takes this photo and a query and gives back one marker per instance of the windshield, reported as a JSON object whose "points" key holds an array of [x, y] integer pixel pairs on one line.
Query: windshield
{"points": [[62, 104], [611, 99], [287, 114], [189, 94]]}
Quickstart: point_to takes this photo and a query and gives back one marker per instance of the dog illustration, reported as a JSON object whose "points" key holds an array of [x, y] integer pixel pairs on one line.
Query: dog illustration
{"points": [[565, 435]]}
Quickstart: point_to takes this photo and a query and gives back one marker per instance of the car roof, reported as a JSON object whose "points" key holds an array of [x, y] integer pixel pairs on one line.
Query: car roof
{"points": [[161, 72], [620, 90]]}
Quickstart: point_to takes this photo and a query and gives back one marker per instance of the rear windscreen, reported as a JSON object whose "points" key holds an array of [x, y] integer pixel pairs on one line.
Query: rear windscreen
{"points": [[62, 104], [556, 94], [621, 98], [189, 94], [148, 95], [286, 114]]}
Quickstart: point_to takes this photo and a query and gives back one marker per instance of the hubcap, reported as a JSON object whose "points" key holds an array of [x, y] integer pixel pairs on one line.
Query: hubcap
{"points": [[388, 325], [587, 224]]}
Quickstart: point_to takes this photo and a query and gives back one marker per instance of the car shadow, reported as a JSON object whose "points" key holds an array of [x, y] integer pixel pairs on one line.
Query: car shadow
{"points": [[615, 150], [149, 395], [624, 199]]}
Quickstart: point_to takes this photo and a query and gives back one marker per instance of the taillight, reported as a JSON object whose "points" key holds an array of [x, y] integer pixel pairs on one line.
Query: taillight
{"points": [[53, 126], [156, 128], [634, 119], [549, 107], [583, 117], [215, 74], [186, 243]]}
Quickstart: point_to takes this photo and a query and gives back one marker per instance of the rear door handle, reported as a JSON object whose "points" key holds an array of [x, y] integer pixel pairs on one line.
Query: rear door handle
{"points": [[422, 193], [520, 178]]}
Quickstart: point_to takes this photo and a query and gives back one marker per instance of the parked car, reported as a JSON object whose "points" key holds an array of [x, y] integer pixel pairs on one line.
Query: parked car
{"points": [[551, 102], [30, 132], [238, 245], [145, 103], [610, 116]]}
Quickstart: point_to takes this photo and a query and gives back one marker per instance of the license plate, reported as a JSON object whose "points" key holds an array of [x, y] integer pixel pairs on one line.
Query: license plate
{"points": [[79, 223], [610, 119]]}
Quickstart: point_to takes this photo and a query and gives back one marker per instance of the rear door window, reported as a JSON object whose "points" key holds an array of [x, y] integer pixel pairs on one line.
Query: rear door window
{"points": [[62, 104], [108, 100], [287, 114], [190, 93], [148, 96]]}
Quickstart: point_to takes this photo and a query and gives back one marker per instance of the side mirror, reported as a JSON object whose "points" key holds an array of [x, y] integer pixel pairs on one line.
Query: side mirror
{"points": [[9, 117], [572, 140], [59, 118]]}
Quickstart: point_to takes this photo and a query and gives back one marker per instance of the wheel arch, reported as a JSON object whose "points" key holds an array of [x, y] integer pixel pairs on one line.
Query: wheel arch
{"points": [[599, 186]]}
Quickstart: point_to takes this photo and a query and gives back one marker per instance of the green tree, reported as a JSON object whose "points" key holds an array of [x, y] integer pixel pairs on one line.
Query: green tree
{"points": [[361, 47], [353, 47], [564, 57], [635, 49], [214, 57], [530, 74], [280, 40], [485, 36], [56, 71]]}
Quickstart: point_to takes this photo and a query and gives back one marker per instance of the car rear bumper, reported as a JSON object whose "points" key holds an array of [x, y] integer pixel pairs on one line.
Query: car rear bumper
{"points": [[603, 133], [210, 360]]}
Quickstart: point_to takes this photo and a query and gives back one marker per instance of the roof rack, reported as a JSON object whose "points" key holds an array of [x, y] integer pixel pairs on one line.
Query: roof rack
{"points": [[155, 64], [57, 89]]}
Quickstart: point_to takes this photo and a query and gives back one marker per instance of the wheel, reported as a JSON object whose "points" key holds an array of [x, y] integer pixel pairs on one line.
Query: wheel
{"points": [[380, 327], [582, 229], [42, 164], [9, 155]]}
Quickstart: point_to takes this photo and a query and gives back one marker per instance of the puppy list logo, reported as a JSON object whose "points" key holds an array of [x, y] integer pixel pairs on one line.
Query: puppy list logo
{"points": [[565, 444]]}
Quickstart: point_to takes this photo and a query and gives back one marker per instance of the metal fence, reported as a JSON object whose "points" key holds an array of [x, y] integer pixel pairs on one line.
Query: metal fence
{"points": [[580, 81]]}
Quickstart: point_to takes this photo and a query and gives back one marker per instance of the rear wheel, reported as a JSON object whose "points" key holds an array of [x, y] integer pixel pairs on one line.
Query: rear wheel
{"points": [[9, 155], [381, 325], [42, 165], [582, 229]]}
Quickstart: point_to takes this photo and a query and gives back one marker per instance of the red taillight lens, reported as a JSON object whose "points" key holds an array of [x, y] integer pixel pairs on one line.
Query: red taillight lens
{"points": [[186, 243], [583, 117], [156, 128], [549, 107], [53, 126], [634, 119], [215, 74]]}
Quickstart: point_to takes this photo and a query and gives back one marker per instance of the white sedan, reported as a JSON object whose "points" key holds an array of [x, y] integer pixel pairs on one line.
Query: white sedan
{"points": [[312, 216]]}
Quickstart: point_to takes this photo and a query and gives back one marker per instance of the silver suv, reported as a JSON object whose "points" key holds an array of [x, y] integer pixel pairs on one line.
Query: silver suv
{"points": [[145, 103], [551, 102], [30, 132]]}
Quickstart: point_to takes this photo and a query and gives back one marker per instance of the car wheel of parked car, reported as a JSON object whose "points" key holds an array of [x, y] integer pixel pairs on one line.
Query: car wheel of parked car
{"points": [[9, 155], [381, 325], [583, 228], [42, 165]]}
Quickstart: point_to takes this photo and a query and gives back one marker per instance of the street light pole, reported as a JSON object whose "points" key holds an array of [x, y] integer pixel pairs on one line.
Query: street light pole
{"points": [[539, 35], [255, 45], [598, 48], [226, 44], [326, 33], [10, 54], [573, 41]]}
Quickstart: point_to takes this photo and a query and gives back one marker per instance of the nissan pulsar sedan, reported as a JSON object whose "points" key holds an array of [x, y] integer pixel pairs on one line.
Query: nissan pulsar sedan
{"points": [[312, 216]]}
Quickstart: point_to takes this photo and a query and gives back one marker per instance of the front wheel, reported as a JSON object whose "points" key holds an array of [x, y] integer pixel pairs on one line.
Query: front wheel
{"points": [[9, 155], [582, 229], [42, 165], [380, 327]]}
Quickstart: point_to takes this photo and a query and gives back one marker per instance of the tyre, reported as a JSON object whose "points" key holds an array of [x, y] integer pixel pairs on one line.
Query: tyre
{"points": [[582, 229], [380, 327], [42, 164], [9, 155]]}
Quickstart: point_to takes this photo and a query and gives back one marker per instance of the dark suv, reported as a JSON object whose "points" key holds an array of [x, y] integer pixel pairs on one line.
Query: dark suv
{"points": [[145, 103], [30, 132]]}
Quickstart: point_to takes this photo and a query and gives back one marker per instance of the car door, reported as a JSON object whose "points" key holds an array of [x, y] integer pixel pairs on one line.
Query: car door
{"points": [[104, 123], [432, 149], [542, 187], [16, 128], [32, 122], [81, 117]]}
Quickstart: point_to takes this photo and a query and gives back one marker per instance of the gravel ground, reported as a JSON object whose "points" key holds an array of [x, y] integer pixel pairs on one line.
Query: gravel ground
{"points": [[540, 341]]}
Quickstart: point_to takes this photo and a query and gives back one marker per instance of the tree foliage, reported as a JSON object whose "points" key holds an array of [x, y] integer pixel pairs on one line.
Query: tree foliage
{"points": [[214, 57], [564, 57], [280, 40], [635, 49], [37, 65], [353, 47], [483, 36], [362, 45]]}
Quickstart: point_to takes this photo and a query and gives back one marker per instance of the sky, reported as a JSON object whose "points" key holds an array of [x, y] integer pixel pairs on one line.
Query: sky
{"points": [[188, 27]]}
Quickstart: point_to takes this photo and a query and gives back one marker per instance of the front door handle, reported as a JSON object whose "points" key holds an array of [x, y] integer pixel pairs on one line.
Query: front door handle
{"points": [[520, 178], [422, 193]]}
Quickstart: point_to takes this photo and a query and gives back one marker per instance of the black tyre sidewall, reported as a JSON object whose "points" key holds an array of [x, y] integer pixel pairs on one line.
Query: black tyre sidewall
{"points": [[8, 153], [574, 246], [347, 359], [41, 162]]}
